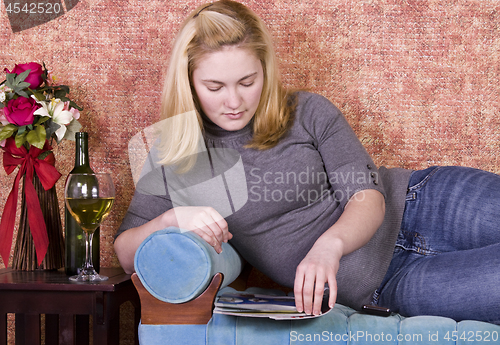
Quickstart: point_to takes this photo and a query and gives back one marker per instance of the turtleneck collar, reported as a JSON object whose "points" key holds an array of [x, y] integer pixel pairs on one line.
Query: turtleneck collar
{"points": [[213, 131]]}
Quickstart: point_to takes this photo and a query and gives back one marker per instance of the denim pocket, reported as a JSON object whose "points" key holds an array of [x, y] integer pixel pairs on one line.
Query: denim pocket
{"points": [[418, 179], [413, 241]]}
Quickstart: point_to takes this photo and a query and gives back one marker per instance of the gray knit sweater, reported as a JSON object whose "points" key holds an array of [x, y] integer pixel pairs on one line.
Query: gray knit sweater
{"points": [[277, 202]]}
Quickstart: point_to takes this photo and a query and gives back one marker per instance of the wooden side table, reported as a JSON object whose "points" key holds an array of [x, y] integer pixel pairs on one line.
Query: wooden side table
{"points": [[66, 305]]}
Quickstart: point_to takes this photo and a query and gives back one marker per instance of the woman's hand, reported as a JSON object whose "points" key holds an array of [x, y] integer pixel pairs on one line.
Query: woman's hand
{"points": [[205, 222], [320, 266], [361, 218]]}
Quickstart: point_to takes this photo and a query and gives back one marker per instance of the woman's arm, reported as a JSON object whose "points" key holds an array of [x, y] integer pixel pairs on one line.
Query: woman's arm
{"points": [[362, 216], [204, 221]]}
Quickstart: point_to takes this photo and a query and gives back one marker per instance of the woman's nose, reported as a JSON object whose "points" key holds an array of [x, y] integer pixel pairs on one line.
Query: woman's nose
{"points": [[233, 100]]}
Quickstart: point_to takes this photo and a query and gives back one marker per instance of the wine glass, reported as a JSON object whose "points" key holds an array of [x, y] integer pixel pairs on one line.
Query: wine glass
{"points": [[89, 198]]}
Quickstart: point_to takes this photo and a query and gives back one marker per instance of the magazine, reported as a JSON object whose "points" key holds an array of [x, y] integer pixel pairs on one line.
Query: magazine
{"points": [[258, 305]]}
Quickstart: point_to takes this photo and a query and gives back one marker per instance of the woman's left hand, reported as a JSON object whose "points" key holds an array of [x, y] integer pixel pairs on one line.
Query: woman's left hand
{"points": [[320, 266], [361, 218]]}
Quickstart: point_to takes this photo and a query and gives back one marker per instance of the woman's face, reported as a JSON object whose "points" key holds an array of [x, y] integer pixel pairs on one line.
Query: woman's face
{"points": [[228, 84]]}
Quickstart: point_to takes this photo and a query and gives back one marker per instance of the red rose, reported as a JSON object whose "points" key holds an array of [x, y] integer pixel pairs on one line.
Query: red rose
{"points": [[34, 78], [20, 111]]}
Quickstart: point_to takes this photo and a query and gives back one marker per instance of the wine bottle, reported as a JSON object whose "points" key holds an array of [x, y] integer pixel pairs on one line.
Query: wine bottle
{"points": [[74, 235]]}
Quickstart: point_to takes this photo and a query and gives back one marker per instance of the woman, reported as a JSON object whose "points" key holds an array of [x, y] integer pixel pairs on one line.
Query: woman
{"points": [[316, 210]]}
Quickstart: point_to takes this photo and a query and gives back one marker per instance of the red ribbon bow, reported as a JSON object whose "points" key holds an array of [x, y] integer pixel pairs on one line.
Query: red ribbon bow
{"points": [[14, 156]]}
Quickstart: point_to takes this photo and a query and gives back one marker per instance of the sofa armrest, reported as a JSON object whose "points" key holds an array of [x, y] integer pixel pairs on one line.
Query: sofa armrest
{"points": [[176, 266], [195, 312]]}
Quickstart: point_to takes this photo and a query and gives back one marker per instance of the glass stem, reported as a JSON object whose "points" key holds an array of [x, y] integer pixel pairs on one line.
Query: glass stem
{"points": [[88, 250]]}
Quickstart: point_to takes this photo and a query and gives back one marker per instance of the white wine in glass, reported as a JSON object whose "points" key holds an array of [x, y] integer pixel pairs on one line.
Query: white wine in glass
{"points": [[89, 198]]}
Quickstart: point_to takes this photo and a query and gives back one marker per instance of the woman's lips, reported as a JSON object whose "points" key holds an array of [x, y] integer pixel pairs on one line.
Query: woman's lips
{"points": [[234, 116]]}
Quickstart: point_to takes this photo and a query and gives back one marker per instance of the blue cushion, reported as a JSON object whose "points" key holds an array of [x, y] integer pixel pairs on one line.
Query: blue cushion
{"points": [[344, 325], [172, 334], [176, 266], [341, 326]]}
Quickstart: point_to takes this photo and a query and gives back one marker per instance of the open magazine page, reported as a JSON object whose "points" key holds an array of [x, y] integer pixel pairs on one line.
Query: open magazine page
{"points": [[258, 305]]}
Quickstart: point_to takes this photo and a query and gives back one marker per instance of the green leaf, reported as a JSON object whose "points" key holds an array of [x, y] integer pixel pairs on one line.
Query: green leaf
{"points": [[22, 93], [51, 127], [11, 95], [39, 96], [43, 89], [21, 77], [74, 105], [23, 85], [73, 127], [41, 120], [20, 139], [60, 94], [21, 130], [37, 137], [8, 131], [64, 88], [10, 80], [18, 85], [45, 72]]}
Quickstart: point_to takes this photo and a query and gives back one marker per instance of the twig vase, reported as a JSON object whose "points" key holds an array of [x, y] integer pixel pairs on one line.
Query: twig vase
{"points": [[24, 251]]}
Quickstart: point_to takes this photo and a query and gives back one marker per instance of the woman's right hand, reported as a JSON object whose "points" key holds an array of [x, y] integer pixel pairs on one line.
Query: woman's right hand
{"points": [[204, 221]]}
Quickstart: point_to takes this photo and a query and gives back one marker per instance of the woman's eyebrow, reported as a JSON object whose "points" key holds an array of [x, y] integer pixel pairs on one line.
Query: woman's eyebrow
{"points": [[219, 82], [248, 76]]}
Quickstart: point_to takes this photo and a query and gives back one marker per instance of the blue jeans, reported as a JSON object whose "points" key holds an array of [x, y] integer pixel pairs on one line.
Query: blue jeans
{"points": [[447, 256]]}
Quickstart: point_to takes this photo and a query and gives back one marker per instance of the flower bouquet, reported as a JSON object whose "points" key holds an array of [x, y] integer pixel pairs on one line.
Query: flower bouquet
{"points": [[34, 112]]}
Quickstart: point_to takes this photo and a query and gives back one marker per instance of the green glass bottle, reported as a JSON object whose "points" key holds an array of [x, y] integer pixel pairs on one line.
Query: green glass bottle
{"points": [[74, 236]]}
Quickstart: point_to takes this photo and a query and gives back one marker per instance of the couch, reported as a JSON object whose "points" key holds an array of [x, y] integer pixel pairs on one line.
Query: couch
{"points": [[178, 276]]}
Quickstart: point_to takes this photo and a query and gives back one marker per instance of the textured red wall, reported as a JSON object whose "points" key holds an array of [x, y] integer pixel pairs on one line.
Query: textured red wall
{"points": [[418, 80]]}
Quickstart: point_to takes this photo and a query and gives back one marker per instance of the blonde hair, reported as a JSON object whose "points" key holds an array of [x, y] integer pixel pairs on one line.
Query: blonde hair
{"points": [[208, 29]]}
